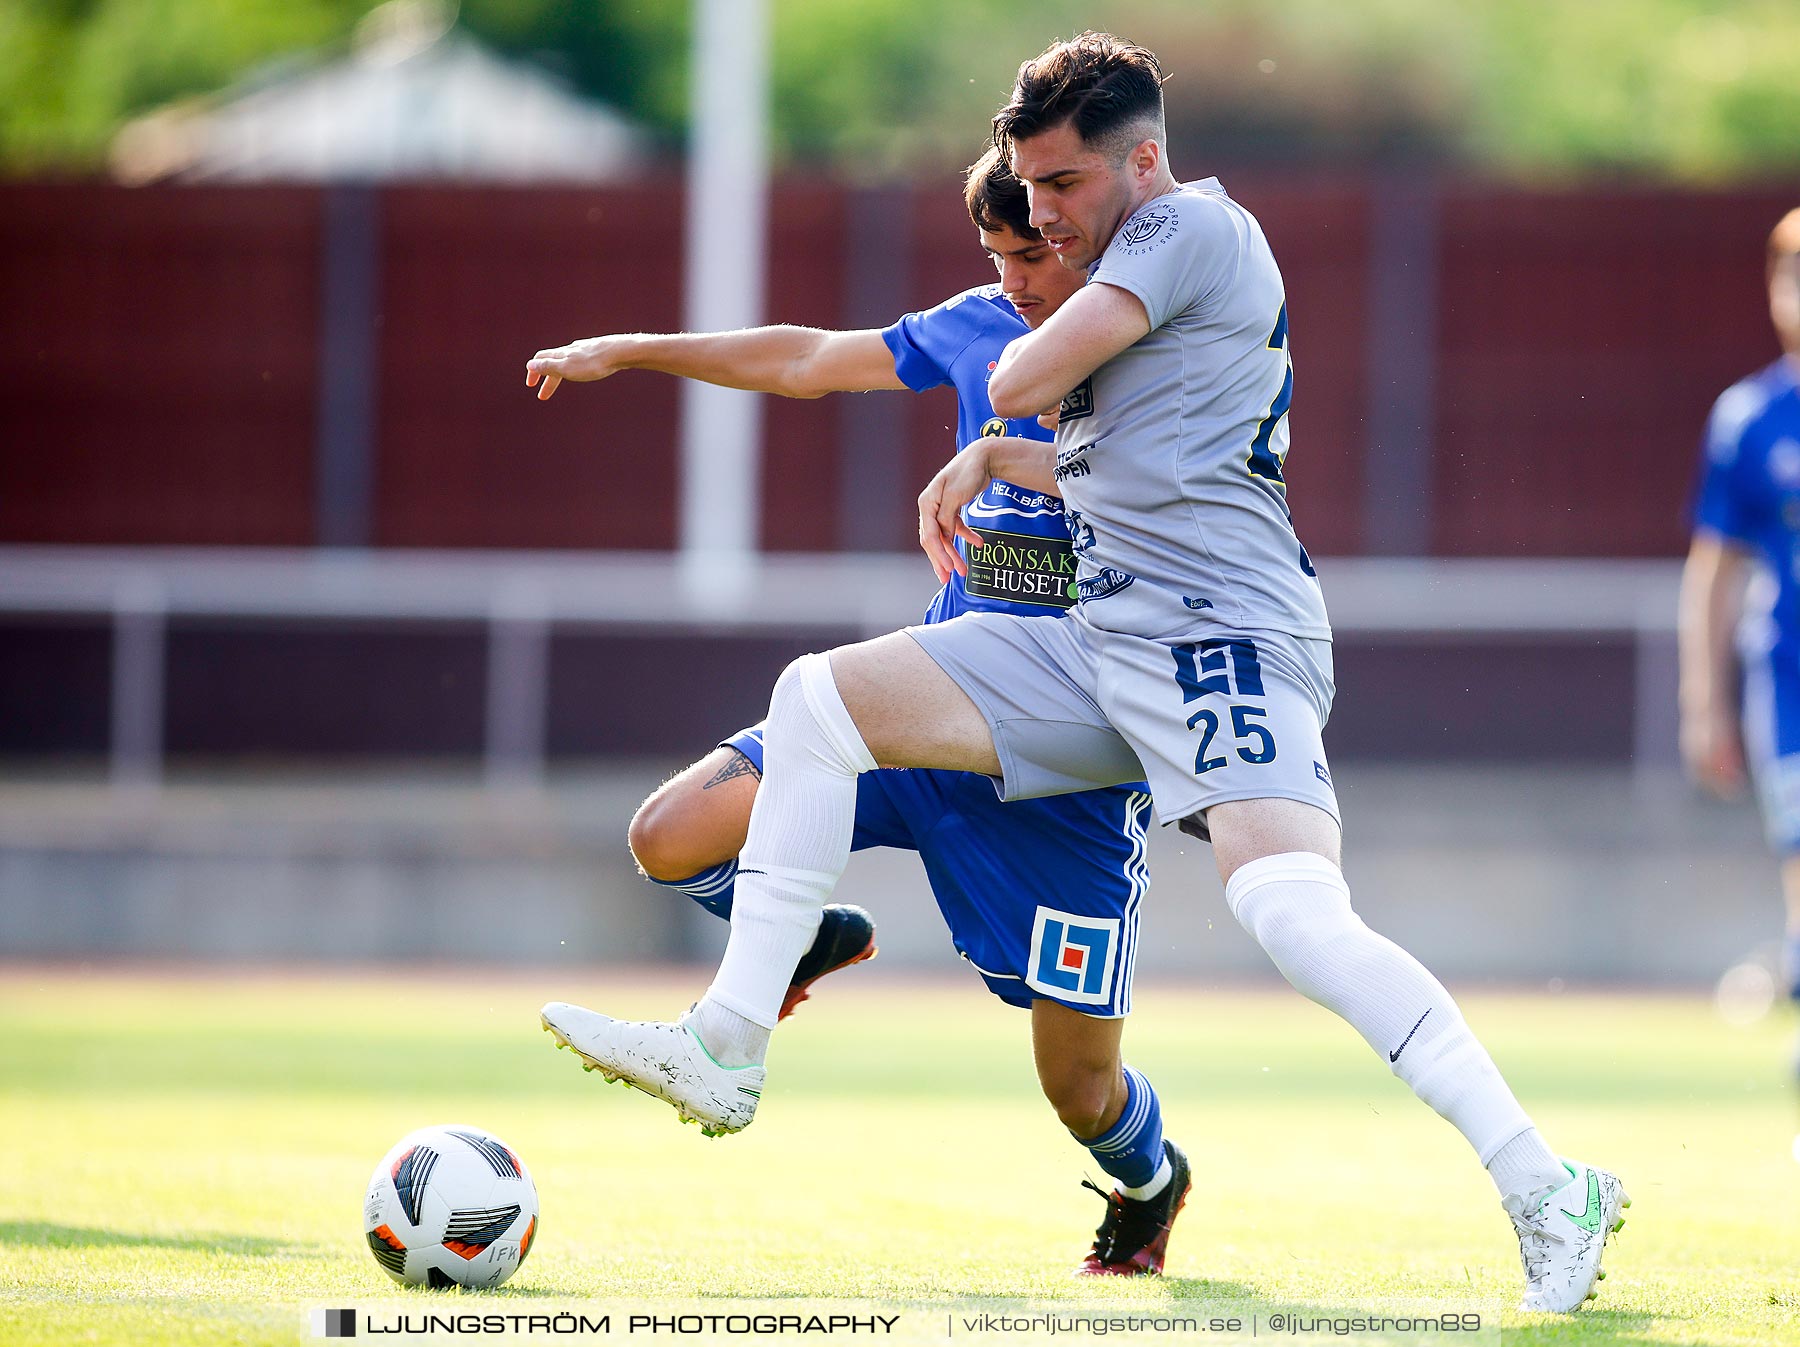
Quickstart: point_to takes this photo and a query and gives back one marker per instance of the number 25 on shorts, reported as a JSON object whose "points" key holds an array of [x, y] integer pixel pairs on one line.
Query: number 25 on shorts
{"points": [[1209, 667], [1243, 727]]}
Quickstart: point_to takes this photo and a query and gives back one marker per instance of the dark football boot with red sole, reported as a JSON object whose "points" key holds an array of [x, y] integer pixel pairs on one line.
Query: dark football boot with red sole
{"points": [[1134, 1238], [846, 936]]}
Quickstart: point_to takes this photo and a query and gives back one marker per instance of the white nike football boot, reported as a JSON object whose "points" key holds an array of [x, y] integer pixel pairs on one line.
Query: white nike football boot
{"points": [[1561, 1240], [666, 1060]]}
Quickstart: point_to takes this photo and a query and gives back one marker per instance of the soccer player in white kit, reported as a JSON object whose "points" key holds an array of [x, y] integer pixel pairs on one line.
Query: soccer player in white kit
{"points": [[1198, 657]]}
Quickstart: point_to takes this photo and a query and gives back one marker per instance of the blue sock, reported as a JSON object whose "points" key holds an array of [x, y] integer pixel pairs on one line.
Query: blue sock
{"points": [[749, 743], [1131, 1150], [712, 889]]}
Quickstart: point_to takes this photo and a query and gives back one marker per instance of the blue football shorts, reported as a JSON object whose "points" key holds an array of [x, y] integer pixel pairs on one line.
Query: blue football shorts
{"points": [[1772, 742]]}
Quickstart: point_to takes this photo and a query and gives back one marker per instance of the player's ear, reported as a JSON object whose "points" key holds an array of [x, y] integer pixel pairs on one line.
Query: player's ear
{"points": [[1146, 158]]}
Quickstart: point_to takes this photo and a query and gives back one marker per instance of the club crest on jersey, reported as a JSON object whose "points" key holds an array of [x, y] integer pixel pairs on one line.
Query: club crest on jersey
{"points": [[993, 426], [1072, 956], [1148, 230]]}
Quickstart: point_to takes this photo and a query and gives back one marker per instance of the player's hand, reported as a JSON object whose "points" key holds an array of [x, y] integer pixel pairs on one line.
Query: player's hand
{"points": [[940, 510], [1713, 750], [582, 361]]}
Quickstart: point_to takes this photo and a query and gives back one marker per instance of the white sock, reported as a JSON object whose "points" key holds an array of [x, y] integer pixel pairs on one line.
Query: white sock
{"points": [[1298, 908], [1158, 1181], [798, 845], [729, 1037], [1525, 1171]]}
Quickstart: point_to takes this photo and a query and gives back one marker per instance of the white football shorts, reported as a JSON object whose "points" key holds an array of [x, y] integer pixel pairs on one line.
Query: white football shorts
{"points": [[1236, 716]]}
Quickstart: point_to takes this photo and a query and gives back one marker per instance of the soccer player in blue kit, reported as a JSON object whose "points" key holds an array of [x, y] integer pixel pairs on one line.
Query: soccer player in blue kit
{"points": [[1198, 654], [1747, 519], [1042, 897]]}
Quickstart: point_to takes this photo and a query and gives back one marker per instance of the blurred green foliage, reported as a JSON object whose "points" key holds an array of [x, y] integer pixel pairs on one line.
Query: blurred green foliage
{"points": [[1686, 89]]}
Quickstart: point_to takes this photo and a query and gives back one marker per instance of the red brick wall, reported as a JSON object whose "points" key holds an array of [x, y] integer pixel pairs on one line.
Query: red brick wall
{"points": [[1582, 340], [159, 361], [471, 284], [158, 353]]}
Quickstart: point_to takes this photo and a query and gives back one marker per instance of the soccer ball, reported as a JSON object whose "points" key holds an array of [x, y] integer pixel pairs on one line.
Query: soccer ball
{"points": [[450, 1206]]}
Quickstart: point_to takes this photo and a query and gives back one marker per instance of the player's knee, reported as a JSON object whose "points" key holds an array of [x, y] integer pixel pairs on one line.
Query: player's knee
{"points": [[815, 726], [656, 842], [789, 693], [1083, 1097], [1295, 899]]}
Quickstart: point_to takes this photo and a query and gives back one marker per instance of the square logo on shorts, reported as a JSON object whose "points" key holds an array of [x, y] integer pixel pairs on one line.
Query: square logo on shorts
{"points": [[1072, 956]]}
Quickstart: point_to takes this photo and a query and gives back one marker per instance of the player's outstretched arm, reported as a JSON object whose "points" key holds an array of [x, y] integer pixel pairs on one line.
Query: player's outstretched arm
{"points": [[1712, 588], [1037, 369], [1027, 463], [794, 362]]}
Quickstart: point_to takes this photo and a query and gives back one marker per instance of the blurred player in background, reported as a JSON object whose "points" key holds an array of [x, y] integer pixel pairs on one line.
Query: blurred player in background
{"points": [[1042, 897], [1199, 653], [1747, 520]]}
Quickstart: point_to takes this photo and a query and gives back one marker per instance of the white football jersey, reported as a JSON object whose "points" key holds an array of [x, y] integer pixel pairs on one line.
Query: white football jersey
{"points": [[1170, 455]]}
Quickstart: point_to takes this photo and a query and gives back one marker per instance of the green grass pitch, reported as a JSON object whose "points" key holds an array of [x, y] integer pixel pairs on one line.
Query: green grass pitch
{"points": [[183, 1160]]}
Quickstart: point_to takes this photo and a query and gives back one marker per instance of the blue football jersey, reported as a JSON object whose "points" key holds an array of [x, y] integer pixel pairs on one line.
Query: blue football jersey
{"points": [[1025, 564], [1750, 489]]}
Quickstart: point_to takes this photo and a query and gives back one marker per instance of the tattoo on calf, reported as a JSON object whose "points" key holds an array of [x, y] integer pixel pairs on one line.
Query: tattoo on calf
{"points": [[738, 766]]}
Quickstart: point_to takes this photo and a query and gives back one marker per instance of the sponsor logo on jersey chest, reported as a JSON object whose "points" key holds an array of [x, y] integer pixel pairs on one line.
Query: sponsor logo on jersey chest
{"points": [[1102, 584], [1022, 568], [1071, 461], [1784, 463], [1079, 402]]}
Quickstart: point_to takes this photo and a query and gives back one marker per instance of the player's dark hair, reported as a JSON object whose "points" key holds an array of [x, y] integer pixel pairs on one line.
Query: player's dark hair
{"points": [[1109, 89], [995, 198]]}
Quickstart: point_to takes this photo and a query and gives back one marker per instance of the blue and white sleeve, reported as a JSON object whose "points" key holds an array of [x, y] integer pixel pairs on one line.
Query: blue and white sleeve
{"points": [[926, 344], [1725, 499]]}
